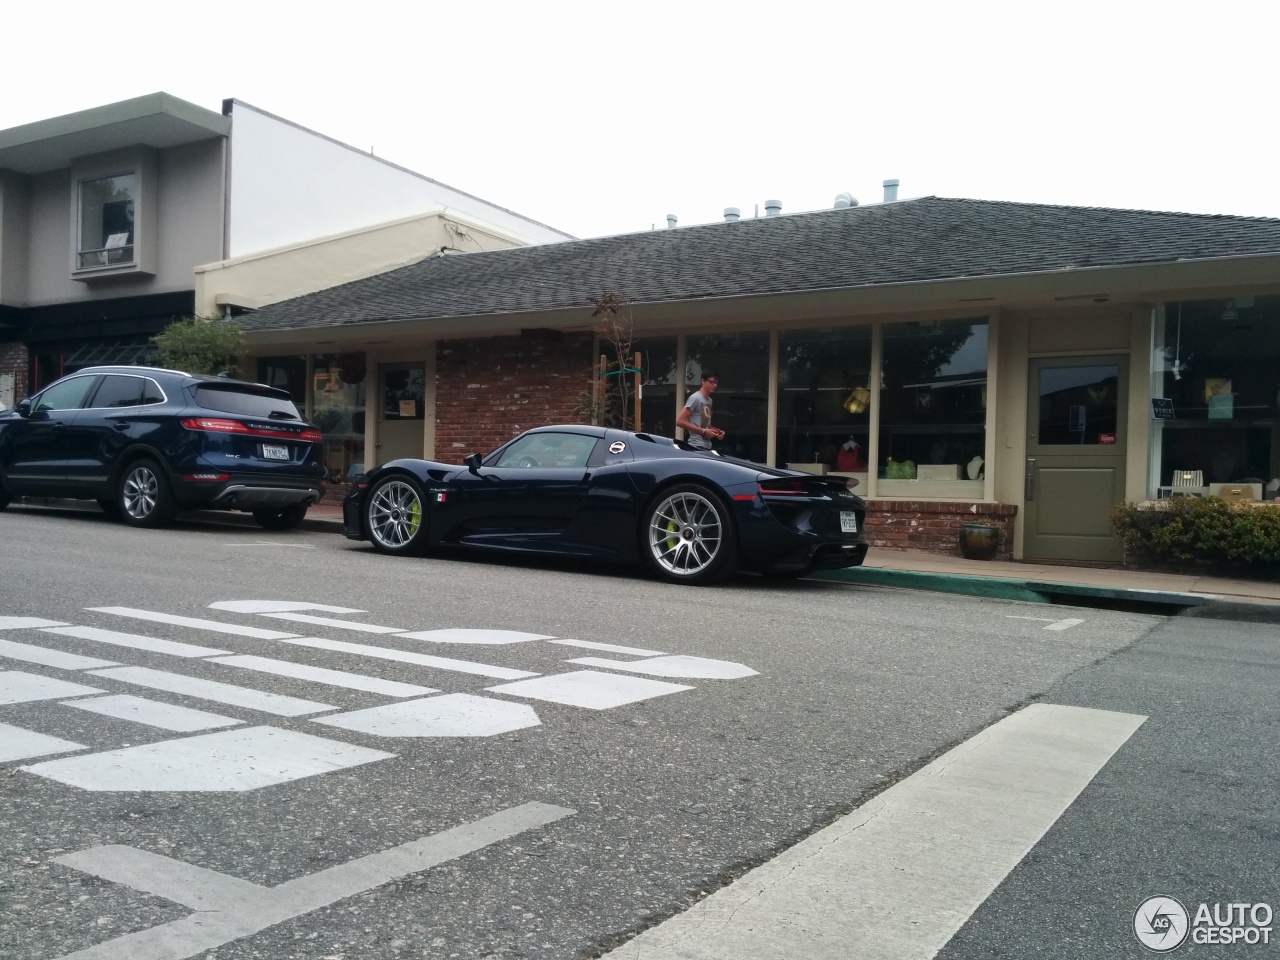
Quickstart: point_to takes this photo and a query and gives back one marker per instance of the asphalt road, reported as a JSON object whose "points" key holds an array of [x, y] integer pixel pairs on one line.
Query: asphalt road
{"points": [[602, 804]]}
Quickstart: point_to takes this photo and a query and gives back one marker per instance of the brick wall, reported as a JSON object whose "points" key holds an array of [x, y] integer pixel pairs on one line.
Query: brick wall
{"points": [[934, 526], [13, 359], [489, 390]]}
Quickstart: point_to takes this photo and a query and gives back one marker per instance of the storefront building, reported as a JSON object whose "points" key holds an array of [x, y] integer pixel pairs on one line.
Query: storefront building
{"points": [[1035, 365]]}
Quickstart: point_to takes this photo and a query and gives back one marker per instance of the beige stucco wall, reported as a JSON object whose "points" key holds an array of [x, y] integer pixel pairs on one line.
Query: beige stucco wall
{"points": [[272, 275]]}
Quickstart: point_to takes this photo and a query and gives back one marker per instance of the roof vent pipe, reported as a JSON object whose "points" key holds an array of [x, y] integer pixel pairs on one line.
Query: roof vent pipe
{"points": [[891, 191], [773, 208], [845, 200], [672, 220], [731, 214]]}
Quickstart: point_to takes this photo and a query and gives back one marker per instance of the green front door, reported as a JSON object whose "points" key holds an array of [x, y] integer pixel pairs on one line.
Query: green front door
{"points": [[1074, 472]]}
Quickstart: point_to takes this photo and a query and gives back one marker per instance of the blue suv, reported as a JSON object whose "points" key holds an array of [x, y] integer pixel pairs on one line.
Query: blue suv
{"points": [[146, 443]]}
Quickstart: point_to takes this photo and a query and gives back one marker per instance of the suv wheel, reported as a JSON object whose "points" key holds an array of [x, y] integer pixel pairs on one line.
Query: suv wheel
{"points": [[143, 495], [285, 518]]}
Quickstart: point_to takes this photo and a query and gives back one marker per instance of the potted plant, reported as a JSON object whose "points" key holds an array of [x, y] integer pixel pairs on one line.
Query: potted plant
{"points": [[979, 539]]}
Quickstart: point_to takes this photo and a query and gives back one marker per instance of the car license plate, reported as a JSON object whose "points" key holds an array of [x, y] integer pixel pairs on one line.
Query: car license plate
{"points": [[272, 451], [848, 521]]}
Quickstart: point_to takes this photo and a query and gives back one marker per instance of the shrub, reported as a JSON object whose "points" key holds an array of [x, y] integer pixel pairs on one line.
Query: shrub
{"points": [[1201, 528], [200, 345]]}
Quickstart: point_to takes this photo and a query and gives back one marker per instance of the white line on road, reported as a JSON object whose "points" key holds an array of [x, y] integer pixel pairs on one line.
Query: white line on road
{"points": [[50, 658], [610, 648], [256, 633], [19, 744], [590, 689], [231, 908], [1066, 624], [332, 622], [135, 641], [273, 703], [277, 606], [26, 623], [489, 637], [19, 687], [405, 656], [899, 876], [165, 716], [335, 678], [675, 667], [455, 715]]}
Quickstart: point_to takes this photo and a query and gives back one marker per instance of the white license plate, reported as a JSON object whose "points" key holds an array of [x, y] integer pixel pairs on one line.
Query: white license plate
{"points": [[272, 451], [848, 521]]}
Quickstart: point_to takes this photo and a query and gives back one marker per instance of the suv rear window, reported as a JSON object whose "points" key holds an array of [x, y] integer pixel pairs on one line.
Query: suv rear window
{"points": [[245, 401]]}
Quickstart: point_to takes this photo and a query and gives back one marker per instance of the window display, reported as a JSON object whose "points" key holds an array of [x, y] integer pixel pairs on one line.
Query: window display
{"points": [[824, 395]]}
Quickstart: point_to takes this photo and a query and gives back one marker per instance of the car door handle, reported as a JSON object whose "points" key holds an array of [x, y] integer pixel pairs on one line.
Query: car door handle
{"points": [[121, 425]]}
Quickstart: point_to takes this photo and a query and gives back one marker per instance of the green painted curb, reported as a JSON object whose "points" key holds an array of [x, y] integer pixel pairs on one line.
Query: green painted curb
{"points": [[939, 582]]}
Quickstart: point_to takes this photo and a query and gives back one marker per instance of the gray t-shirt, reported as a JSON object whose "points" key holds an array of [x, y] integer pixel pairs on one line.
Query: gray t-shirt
{"points": [[699, 408]]}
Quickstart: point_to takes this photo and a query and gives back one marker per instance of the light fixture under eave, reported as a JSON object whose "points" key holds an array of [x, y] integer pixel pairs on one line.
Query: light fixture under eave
{"points": [[857, 400]]}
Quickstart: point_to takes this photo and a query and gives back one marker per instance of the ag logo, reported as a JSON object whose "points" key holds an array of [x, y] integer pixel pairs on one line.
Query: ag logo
{"points": [[1161, 924], [617, 447]]}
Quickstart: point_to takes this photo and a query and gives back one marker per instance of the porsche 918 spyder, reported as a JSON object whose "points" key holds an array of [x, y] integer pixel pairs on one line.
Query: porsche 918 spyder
{"points": [[590, 492]]}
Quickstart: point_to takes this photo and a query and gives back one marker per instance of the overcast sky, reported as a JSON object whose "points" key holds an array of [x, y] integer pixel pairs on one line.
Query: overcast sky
{"points": [[603, 117]]}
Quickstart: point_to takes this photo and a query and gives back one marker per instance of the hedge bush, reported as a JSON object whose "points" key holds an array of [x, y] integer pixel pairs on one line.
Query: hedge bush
{"points": [[1205, 529]]}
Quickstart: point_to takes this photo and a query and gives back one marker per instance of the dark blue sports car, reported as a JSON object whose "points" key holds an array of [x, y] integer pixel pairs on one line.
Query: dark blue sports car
{"points": [[593, 492]]}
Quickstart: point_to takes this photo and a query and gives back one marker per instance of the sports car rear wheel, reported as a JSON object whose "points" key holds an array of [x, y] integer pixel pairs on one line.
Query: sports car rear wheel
{"points": [[688, 536], [396, 519]]}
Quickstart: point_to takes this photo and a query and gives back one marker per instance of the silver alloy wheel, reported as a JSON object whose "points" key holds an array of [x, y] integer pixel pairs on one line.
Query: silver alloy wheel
{"points": [[395, 514], [685, 534], [140, 492]]}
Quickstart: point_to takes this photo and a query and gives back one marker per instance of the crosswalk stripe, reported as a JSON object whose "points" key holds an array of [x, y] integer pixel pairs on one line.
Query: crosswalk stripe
{"points": [[26, 623], [335, 678], [255, 633], [19, 687], [899, 876], [19, 744], [405, 656], [332, 622], [610, 648], [50, 658], [214, 690], [135, 641], [152, 713]]}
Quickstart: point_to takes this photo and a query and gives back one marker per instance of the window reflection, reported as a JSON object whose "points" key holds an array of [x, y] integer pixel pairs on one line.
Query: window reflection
{"points": [[741, 403], [824, 378]]}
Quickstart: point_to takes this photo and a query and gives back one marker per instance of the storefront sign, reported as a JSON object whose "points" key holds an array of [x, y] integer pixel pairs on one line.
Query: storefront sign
{"points": [[1106, 438], [1162, 409]]}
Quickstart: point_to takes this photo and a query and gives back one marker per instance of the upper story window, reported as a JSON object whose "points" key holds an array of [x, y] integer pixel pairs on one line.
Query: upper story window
{"points": [[106, 221]]}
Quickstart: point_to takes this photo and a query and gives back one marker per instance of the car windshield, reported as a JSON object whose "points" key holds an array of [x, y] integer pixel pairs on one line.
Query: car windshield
{"points": [[245, 400]]}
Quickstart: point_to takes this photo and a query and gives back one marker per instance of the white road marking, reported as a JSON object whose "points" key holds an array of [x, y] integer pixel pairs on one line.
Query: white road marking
{"points": [[455, 715], [19, 687], [1066, 624], [900, 875], [50, 658], [335, 678], [332, 622], [277, 606], [405, 656], [26, 623], [490, 637], [610, 648], [272, 543], [228, 761], [135, 641], [273, 703], [255, 633], [678, 667], [231, 908], [165, 716], [19, 744], [589, 689]]}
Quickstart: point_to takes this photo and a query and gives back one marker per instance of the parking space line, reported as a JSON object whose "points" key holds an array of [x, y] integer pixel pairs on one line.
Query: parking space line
{"points": [[406, 656], [218, 692], [135, 641], [335, 678], [50, 658], [255, 633]]}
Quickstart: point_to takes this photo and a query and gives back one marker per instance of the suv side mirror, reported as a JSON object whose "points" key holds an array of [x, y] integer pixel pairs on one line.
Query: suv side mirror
{"points": [[473, 463], [24, 407]]}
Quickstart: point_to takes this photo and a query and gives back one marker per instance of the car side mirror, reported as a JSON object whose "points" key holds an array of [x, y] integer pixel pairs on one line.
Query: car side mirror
{"points": [[473, 463], [24, 407]]}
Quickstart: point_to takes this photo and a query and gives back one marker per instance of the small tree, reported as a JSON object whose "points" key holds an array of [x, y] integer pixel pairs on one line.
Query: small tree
{"points": [[200, 345], [615, 326]]}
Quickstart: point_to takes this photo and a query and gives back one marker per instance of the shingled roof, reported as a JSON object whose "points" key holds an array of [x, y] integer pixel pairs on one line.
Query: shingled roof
{"points": [[932, 238]]}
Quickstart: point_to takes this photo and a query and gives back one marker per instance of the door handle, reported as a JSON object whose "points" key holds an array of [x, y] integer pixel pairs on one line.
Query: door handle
{"points": [[1031, 478], [120, 425]]}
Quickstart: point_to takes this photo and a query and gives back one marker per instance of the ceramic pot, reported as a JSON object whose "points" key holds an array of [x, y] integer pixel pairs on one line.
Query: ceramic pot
{"points": [[979, 541]]}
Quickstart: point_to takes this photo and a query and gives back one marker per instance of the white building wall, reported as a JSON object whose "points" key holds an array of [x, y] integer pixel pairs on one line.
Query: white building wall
{"points": [[278, 170]]}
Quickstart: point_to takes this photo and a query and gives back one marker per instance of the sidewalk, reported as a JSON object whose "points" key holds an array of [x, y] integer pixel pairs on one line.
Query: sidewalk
{"points": [[1010, 580]]}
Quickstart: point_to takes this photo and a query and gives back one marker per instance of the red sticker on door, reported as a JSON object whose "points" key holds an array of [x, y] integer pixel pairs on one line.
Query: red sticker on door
{"points": [[1107, 438]]}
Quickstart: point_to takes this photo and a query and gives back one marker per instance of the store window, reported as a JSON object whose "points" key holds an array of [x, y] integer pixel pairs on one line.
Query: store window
{"points": [[824, 394], [287, 373], [659, 379], [741, 404], [106, 235], [337, 409], [933, 408], [1216, 366]]}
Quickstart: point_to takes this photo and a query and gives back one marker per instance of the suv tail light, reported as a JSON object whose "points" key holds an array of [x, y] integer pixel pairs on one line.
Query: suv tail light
{"points": [[219, 425]]}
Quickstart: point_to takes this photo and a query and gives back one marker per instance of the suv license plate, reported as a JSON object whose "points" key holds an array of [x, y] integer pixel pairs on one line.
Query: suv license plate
{"points": [[848, 521], [271, 451]]}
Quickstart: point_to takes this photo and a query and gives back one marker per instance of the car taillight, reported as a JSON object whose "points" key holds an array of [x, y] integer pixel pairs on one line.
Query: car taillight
{"points": [[206, 477], [773, 488], [218, 425]]}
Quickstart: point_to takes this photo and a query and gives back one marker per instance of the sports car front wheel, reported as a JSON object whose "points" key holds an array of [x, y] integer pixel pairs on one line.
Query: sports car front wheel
{"points": [[688, 536], [395, 516]]}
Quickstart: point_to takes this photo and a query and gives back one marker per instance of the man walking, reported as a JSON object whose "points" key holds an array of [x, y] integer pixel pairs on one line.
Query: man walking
{"points": [[695, 417]]}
